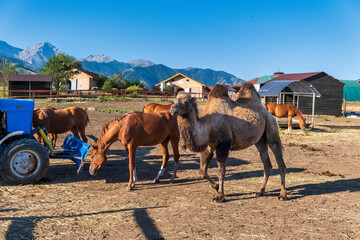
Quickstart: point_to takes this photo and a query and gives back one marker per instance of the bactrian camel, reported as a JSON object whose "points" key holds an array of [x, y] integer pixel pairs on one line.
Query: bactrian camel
{"points": [[226, 125]]}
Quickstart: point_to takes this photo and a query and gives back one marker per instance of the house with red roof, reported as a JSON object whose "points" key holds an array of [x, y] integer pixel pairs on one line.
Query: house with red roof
{"points": [[331, 90]]}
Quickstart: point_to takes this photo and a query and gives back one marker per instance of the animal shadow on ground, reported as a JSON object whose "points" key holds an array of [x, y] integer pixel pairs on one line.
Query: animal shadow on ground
{"points": [[23, 227], [328, 187], [257, 174], [341, 127], [311, 189]]}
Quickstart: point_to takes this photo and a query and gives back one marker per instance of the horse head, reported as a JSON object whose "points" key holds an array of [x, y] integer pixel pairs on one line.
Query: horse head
{"points": [[302, 123], [98, 159]]}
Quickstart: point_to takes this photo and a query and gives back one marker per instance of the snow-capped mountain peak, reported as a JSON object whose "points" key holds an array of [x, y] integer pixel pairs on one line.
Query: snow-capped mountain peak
{"points": [[99, 58], [39, 54]]}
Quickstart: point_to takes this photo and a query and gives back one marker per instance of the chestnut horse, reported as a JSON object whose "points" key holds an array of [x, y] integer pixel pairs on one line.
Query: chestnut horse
{"points": [[286, 110], [137, 129], [59, 121], [53, 137], [155, 107]]}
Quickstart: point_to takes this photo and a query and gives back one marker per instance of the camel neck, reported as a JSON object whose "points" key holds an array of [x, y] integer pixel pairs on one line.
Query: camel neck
{"points": [[194, 133]]}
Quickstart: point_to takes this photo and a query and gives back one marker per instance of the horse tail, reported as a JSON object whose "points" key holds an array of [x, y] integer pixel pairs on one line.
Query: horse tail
{"points": [[87, 119]]}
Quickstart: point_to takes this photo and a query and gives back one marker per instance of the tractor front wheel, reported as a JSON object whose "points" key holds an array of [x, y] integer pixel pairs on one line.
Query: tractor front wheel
{"points": [[24, 161]]}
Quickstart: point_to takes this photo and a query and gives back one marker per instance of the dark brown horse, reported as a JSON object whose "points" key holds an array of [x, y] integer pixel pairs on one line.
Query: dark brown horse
{"points": [[59, 121], [155, 107], [287, 111], [137, 129]]}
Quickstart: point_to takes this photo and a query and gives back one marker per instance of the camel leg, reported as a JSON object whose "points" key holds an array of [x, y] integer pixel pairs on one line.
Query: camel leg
{"points": [[205, 158], [132, 168], [175, 147], [277, 150], [222, 154], [289, 123], [262, 147], [166, 156]]}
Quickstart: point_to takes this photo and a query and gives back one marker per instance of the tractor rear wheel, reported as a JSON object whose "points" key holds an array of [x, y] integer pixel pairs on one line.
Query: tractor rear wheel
{"points": [[24, 161]]}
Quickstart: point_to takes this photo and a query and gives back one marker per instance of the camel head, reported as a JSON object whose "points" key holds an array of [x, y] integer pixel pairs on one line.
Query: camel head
{"points": [[248, 91], [183, 104]]}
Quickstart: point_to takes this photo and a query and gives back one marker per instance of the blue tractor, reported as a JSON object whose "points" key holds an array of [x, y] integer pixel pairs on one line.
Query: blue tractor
{"points": [[24, 160]]}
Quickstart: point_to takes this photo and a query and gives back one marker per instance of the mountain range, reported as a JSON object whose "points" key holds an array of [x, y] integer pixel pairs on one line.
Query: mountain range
{"points": [[34, 57]]}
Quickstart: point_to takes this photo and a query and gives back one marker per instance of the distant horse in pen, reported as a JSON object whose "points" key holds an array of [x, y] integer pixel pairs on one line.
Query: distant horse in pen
{"points": [[289, 111], [137, 129], [59, 121], [155, 107]]}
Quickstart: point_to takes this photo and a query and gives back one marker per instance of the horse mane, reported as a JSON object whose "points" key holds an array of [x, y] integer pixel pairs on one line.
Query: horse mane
{"points": [[45, 112], [106, 126], [298, 113]]}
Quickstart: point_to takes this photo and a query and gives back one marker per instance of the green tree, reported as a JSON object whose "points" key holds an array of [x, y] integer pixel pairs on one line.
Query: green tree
{"points": [[61, 68], [119, 81], [7, 68], [168, 88], [110, 83], [100, 81], [134, 88]]}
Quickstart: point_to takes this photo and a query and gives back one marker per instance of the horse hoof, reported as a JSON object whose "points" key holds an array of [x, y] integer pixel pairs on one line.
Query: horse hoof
{"points": [[128, 189], [219, 199], [172, 180], [156, 180]]}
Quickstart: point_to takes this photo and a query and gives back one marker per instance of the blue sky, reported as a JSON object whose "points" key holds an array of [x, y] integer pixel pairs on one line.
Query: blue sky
{"points": [[246, 38]]}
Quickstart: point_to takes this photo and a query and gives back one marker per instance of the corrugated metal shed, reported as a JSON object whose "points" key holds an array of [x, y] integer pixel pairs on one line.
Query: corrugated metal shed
{"points": [[273, 88]]}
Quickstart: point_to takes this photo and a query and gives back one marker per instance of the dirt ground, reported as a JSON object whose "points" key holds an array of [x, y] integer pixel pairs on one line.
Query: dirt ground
{"points": [[322, 181]]}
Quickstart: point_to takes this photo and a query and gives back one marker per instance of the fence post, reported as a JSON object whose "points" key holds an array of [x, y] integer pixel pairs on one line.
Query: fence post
{"points": [[33, 95], [344, 106], [79, 94]]}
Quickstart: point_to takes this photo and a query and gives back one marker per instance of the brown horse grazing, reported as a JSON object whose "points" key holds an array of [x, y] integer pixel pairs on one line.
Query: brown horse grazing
{"points": [[72, 119], [53, 137], [155, 107], [287, 110], [133, 130]]}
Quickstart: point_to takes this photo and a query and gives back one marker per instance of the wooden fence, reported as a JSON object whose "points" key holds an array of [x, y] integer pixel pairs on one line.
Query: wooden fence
{"points": [[121, 93]]}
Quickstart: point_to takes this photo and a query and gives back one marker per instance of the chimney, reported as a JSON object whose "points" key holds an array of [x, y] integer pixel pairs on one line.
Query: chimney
{"points": [[278, 73]]}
